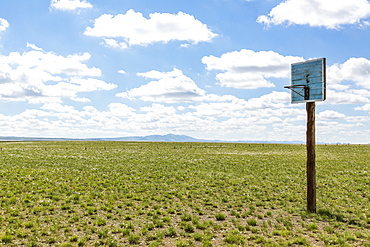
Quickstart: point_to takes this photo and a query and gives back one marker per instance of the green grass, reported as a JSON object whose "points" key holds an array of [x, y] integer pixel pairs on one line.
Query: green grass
{"points": [[181, 194]]}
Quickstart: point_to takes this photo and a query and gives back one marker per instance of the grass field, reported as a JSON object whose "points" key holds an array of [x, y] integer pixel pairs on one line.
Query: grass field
{"points": [[181, 194]]}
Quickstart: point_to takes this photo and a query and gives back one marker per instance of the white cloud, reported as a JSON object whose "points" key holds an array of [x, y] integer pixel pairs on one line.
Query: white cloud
{"points": [[133, 28], [359, 119], [122, 72], [121, 110], [334, 97], [247, 69], [112, 43], [271, 100], [218, 109], [330, 115], [341, 78], [159, 110], [34, 47], [331, 14], [52, 63], [168, 87], [362, 92], [247, 108], [337, 129], [57, 107], [4, 24], [354, 69], [76, 85], [68, 5], [37, 76], [365, 107]]}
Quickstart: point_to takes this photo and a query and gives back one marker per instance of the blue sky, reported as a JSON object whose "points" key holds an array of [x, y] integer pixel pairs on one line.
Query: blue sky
{"points": [[213, 69]]}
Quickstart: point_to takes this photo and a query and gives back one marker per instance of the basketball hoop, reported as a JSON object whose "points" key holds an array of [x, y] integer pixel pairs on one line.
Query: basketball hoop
{"points": [[308, 81], [308, 84]]}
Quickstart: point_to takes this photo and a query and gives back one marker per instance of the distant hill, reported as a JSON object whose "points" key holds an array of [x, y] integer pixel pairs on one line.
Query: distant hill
{"points": [[157, 138], [149, 138]]}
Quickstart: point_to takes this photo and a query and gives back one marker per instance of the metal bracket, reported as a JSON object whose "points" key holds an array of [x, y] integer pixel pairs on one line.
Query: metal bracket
{"points": [[304, 89]]}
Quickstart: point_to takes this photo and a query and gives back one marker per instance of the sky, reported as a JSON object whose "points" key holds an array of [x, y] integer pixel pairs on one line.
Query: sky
{"points": [[210, 69]]}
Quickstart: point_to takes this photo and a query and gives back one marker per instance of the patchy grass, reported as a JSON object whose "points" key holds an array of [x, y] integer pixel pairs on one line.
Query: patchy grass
{"points": [[180, 194]]}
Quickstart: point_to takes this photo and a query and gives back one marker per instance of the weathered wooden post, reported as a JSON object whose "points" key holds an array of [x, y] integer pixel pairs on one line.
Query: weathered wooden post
{"points": [[309, 85], [311, 157]]}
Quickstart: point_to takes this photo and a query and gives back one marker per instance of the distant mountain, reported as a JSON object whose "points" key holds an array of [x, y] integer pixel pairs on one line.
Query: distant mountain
{"points": [[182, 138], [157, 138], [150, 138]]}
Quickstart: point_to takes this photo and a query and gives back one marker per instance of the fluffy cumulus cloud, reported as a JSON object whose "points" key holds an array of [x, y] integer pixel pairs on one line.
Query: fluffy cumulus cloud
{"points": [[349, 82], [55, 119], [365, 107], [354, 69], [4, 24], [347, 97], [112, 43], [330, 115], [121, 110], [170, 87], [269, 105], [132, 28], [247, 69], [38, 76], [68, 5], [331, 14]]}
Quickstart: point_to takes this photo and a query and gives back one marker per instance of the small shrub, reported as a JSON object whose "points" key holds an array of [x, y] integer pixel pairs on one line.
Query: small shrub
{"points": [[187, 227], [206, 243], [29, 224], [101, 222], [234, 239], [81, 242], [186, 217], [126, 232], [203, 225], [329, 229], [312, 227], [91, 210], [171, 232], [103, 233], [150, 226], [65, 245], [154, 244], [252, 222], [240, 228], [158, 223], [166, 219], [73, 239], [184, 243], [220, 216], [198, 236], [65, 207], [287, 223], [171, 211], [299, 241], [6, 239], [133, 239]]}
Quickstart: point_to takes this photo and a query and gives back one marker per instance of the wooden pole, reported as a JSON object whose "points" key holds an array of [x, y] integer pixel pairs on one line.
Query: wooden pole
{"points": [[311, 156]]}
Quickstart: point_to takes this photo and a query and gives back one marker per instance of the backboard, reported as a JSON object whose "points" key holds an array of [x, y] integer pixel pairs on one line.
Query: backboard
{"points": [[308, 81]]}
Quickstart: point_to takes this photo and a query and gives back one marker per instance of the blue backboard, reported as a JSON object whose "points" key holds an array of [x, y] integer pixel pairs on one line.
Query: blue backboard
{"points": [[308, 81]]}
